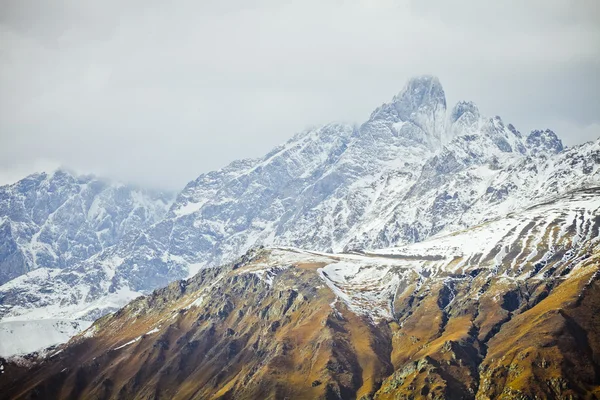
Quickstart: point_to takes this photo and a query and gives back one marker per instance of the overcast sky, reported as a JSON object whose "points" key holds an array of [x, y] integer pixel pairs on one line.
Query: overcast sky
{"points": [[157, 92]]}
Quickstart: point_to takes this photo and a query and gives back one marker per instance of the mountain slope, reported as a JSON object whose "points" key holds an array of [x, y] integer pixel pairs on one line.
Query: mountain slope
{"points": [[506, 309], [49, 225], [59, 220]]}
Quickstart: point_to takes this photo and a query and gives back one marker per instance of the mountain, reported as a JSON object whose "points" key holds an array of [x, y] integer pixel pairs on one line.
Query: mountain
{"points": [[49, 224], [406, 174], [504, 309], [414, 170], [59, 220]]}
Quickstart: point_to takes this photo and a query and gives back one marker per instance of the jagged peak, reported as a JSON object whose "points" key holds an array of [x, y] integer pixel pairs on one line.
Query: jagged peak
{"points": [[62, 173], [483, 138], [58, 173], [422, 104], [545, 141], [463, 119], [418, 92], [65, 176], [464, 108], [418, 82]]}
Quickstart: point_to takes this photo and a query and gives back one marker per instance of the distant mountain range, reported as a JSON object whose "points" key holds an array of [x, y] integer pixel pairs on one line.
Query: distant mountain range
{"points": [[60, 220], [75, 248]]}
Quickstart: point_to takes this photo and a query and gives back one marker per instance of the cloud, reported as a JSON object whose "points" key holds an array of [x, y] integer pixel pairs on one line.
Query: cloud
{"points": [[16, 172], [158, 92]]}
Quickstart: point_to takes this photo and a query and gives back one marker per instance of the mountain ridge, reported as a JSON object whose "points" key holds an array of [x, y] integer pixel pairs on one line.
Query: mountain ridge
{"points": [[384, 183], [60, 219]]}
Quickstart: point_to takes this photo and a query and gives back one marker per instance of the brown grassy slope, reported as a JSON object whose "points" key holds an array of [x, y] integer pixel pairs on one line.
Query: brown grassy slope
{"points": [[245, 341], [551, 350], [479, 336]]}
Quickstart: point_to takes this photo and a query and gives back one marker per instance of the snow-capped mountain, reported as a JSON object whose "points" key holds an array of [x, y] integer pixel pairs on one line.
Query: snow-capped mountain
{"points": [[506, 309], [59, 220], [412, 171]]}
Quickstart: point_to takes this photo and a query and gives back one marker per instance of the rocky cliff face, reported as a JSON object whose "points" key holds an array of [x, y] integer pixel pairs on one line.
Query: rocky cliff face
{"points": [[506, 309], [418, 112], [51, 225], [59, 220]]}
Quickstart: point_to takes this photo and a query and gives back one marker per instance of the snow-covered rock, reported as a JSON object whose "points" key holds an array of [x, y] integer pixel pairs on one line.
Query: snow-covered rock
{"points": [[59, 220], [544, 142]]}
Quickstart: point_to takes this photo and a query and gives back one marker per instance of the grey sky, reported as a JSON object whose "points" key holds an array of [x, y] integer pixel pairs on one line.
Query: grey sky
{"points": [[156, 92]]}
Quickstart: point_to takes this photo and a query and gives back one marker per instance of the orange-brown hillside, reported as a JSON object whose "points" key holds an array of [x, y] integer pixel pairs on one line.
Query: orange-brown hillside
{"points": [[508, 310]]}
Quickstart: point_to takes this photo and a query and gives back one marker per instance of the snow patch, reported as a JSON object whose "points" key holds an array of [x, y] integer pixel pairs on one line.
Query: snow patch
{"points": [[128, 343], [27, 336]]}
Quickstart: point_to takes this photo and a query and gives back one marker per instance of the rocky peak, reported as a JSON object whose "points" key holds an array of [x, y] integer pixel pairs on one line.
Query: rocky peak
{"points": [[61, 219], [420, 104], [462, 109], [545, 141], [464, 118], [420, 94], [502, 136]]}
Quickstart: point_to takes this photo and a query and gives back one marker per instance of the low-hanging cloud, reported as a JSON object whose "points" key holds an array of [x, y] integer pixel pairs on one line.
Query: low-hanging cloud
{"points": [[157, 92]]}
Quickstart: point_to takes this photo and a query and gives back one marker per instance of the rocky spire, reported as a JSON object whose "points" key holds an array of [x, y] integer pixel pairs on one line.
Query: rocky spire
{"points": [[464, 118], [422, 104]]}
